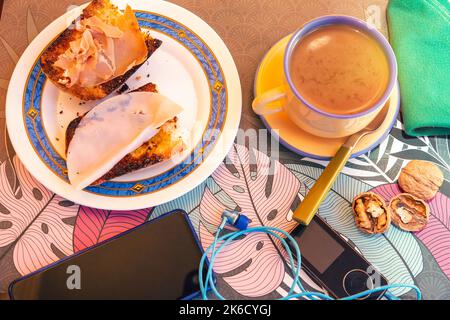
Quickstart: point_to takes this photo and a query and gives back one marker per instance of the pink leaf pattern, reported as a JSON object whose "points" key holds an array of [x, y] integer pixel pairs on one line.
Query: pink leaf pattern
{"points": [[265, 191], [94, 226], [34, 221], [436, 236]]}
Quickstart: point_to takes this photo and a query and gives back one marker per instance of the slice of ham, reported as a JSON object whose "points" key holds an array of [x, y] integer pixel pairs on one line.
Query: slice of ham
{"points": [[107, 29], [103, 51], [129, 43], [113, 129]]}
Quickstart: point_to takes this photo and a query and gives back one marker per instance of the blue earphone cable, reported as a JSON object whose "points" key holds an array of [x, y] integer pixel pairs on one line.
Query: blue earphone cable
{"points": [[281, 235]]}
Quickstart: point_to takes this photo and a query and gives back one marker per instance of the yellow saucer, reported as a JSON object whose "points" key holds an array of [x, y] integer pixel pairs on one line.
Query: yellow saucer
{"points": [[270, 75]]}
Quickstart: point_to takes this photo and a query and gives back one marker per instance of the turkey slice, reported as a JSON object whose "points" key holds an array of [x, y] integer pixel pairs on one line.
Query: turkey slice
{"points": [[113, 129]]}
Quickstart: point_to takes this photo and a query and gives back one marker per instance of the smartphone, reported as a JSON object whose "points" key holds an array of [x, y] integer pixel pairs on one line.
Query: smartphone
{"points": [[158, 260]]}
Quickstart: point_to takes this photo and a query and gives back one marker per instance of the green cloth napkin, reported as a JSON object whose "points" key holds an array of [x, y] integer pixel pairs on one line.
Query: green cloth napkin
{"points": [[420, 35]]}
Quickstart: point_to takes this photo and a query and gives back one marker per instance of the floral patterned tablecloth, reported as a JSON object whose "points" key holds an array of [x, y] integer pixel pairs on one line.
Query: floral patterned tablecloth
{"points": [[38, 227]]}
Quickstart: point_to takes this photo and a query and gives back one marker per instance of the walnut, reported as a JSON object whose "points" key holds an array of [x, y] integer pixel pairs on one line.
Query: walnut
{"points": [[371, 213], [422, 179], [409, 213]]}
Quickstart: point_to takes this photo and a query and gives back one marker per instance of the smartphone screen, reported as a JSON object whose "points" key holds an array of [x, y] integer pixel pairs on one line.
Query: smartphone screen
{"points": [[158, 260]]}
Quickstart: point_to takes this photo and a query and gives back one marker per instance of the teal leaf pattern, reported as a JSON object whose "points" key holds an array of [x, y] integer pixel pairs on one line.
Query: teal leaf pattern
{"points": [[417, 154], [383, 164]]}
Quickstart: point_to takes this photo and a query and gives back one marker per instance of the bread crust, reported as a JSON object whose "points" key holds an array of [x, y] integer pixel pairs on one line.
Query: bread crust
{"points": [[62, 43]]}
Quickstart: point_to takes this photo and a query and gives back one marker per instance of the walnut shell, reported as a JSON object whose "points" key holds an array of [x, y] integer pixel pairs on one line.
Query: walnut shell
{"points": [[422, 179], [371, 213], [409, 213]]}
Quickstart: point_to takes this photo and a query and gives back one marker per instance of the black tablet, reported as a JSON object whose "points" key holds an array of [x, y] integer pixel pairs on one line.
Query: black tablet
{"points": [[157, 260]]}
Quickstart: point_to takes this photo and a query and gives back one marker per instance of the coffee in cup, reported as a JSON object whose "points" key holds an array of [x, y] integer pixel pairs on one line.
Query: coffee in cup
{"points": [[340, 69], [339, 72]]}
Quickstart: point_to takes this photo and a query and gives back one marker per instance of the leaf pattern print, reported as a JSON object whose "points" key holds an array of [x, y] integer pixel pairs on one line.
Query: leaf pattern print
{"points": [[36, 224], [93, 226], [436, 235], [383, 164], [265, 191]]}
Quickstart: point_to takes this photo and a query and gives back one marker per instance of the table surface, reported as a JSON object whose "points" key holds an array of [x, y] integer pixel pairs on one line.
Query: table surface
{"points": [[249, 28]]}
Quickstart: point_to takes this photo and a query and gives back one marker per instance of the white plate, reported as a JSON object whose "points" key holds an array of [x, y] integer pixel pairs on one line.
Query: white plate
{"points": [[193, 67]]}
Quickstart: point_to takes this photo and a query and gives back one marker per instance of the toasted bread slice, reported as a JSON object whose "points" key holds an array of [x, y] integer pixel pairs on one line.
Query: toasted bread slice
{"points": [[165, 144], [108, 13]]}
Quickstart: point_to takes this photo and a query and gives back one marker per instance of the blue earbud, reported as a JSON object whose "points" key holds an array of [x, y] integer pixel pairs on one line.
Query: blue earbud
{"points": [[237, 220]]}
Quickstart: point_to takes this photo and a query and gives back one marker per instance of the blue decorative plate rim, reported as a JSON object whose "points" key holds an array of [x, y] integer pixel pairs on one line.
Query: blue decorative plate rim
{"points": [[219, 105]]}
